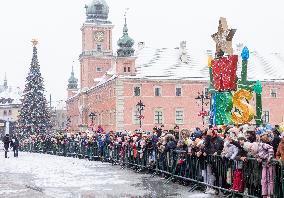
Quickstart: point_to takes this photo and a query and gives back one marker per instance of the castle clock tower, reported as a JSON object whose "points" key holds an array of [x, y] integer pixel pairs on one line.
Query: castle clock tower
{"points": [[97, 55]]}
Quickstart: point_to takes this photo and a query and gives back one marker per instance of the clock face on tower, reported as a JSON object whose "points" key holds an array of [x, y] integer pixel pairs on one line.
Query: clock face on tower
{"points": [[99, 36]]}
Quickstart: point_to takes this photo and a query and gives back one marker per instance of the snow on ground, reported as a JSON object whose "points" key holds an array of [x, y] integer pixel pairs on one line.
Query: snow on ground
{"points": [[40, 175]]}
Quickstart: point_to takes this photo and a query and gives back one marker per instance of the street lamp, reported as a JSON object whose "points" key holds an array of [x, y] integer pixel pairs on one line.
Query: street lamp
{"points": [[92, 115], [202, 97], [140, 107]]}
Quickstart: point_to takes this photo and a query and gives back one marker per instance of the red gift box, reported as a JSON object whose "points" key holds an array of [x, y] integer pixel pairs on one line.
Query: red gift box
{"points": [[225, 73]]}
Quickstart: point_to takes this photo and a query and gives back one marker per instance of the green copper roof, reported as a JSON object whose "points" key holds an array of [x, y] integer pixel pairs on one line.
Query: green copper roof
{"points": [[125, 44], [72, 81]]}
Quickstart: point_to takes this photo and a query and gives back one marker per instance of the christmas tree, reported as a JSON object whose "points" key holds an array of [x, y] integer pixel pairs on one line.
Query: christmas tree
{"points": [[34, 117]]}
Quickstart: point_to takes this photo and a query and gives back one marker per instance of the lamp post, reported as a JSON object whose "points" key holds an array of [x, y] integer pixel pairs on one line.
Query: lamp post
{"points": [[202, 97], [140, 107], [92, 115]]}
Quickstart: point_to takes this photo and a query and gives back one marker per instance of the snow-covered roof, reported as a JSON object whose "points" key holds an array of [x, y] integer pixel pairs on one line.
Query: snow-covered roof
{"points": [[165, 64], [11, 96], [265, 66]]}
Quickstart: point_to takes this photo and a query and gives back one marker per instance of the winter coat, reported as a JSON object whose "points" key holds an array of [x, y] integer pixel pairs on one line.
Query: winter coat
{"points": [[170, 142], [6, 141], [230, 151], [280, 151], [15, 143], [275, 142], [241, 153], [170, 145], [265, 152], [213, 145], [155, 139]]}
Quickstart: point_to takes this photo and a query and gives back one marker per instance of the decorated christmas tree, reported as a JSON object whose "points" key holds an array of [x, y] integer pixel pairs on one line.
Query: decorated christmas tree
{"points": [[34, 116]]}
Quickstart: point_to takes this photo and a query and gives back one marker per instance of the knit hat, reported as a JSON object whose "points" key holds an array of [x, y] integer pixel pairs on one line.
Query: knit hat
{"points": [[260, 131]]}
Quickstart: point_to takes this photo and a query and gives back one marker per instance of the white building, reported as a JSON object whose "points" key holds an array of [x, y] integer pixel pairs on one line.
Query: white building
{"points": [[10, 104]]}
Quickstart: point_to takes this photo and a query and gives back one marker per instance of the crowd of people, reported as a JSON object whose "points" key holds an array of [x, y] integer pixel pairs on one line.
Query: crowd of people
{"points": [[237, 144]]}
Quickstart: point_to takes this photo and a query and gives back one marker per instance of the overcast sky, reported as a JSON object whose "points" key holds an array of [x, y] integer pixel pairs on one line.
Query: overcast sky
{"points": [[159, 23]]}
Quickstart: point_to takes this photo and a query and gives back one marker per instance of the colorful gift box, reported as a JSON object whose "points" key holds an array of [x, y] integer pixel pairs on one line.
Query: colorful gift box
{"points": [[225, 73]]}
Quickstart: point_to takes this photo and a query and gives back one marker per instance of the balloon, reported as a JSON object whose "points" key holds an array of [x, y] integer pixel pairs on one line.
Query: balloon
{"points": [[257, 87], [245, 53], [245, 113], [223, 108]]}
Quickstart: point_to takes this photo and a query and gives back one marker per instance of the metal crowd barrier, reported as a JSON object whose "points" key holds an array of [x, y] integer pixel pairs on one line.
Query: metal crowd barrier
{"points": [[176, 165]]}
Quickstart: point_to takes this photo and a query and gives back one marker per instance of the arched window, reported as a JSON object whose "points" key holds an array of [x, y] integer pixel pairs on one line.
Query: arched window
{"points": [[5, 113]]}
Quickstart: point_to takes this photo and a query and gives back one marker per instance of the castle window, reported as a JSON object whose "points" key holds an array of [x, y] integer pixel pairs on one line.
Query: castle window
{"points": [[99, 47], [178, 90], [99, 69], [158, 91], [179, 116], [206, 92], [99, 8], [137, 91], [128, 69], [265, 116], [158, 116], [273, 93], [124, 69]]}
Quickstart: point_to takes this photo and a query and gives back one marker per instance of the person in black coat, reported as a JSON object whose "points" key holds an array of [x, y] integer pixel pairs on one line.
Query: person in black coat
{"points": [[6, 141], [276, 140], [15, 145]]}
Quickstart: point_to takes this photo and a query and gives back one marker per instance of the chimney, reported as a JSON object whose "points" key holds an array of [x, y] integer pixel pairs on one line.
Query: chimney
{"points": [[183, 52]]}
